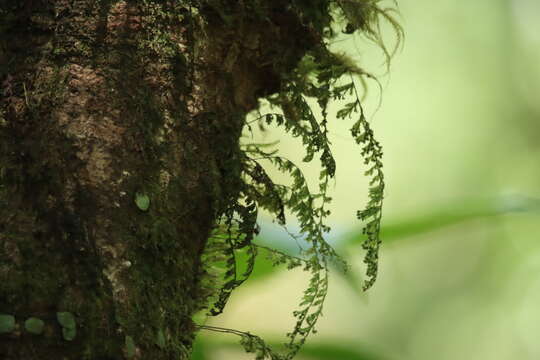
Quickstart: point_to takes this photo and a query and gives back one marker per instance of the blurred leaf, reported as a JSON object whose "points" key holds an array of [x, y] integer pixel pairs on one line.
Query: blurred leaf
{"points": [[321, 351], [34, 325], [435, 220], [329, 351], [450, 215]]}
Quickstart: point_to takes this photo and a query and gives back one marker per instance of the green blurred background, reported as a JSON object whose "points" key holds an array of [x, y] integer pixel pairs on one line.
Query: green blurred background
{"points": [[460, 262]]}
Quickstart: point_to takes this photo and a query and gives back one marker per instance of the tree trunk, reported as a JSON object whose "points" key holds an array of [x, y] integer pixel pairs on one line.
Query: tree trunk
{"points": [[119, 131]]}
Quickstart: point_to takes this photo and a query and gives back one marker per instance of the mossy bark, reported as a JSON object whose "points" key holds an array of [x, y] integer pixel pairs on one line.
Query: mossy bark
{"points": [[103, 103]]}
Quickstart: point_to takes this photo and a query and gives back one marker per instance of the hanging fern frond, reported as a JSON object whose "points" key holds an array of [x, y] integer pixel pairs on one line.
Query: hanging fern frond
{"points": [[372, 154], [235, 233], [326, 77]]}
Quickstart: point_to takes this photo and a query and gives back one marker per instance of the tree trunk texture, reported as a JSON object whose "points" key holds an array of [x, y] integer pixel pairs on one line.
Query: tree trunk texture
{"points": [[119, 148]]}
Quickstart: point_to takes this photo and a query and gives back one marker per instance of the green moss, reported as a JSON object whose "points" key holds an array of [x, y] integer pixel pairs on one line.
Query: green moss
{"points": [[66, 320], [69, 333], [69, 326], [7, 323], [34, 325], [142, 201]]}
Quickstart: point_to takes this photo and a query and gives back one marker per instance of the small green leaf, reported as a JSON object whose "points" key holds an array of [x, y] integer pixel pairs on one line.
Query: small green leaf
{"points": [[34, 325], [69, 333], [142, 201], [7, 323], [130, 347], [160, 339], [66, 319]]}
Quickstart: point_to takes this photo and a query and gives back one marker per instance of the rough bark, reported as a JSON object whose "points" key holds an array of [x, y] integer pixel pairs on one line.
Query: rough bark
{"points": [[103, 102]]}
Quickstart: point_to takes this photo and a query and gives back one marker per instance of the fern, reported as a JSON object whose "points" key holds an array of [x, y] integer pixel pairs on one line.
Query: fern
{"points": [[327, 77], [372, 154], [236, 233]]}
